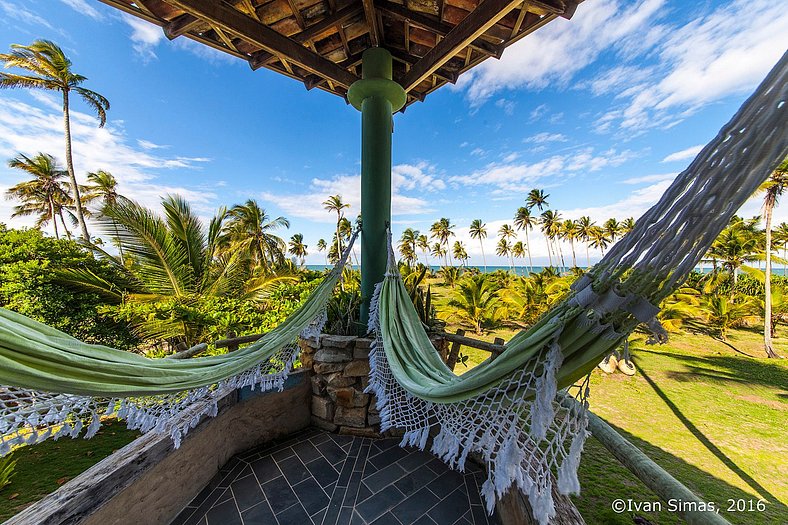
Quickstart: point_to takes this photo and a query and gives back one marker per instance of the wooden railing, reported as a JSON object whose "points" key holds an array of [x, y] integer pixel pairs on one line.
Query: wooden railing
{"points": [[457, 340], [231, 344]]}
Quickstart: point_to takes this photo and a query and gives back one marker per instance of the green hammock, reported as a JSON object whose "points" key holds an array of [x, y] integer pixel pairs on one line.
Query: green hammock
{"points": [[507, 410], [54, 384]]}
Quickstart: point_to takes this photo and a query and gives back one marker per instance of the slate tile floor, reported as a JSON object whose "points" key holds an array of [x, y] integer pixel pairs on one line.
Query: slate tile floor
{"points": [[318, 478]]}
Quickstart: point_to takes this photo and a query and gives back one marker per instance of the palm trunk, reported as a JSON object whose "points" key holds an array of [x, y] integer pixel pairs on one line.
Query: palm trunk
{"points": [[65, 228], [588, 258], [481, 245], [528, 249], [767, 317], [549, 254], [53, 216], [70, 167], [574, 257]]}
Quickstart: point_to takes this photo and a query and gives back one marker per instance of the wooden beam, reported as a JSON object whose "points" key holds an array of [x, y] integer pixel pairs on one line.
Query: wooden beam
{"points": [[372, 22], [262, 58], [296, 14], [520, 17], [429, 23], [477, 22], [181, 25], [233, 21]]}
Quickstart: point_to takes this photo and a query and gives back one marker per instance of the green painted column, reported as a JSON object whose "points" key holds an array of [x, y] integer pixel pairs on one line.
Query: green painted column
{"points": [[377, 96]]}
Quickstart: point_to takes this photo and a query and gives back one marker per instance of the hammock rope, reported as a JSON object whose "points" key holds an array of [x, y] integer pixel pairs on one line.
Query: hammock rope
{"points": [[54, 385], [506, 411]]}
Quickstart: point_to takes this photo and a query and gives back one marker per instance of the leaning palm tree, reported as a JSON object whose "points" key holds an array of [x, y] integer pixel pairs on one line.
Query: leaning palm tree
{"points": [[45, 196], [536, 198], [479, 231], [102, 187], [424, 245], [507, 232], [297, 248], [773, 187], [523, 220], [250, 229], [585, 231], [321, 247], [459, 252], [334, 204], [48, 68]]}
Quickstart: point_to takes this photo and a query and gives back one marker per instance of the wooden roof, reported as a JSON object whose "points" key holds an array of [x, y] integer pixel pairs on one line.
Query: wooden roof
{"points": [[320, 42]]}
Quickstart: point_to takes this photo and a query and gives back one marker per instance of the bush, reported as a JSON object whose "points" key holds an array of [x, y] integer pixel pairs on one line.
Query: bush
{"points": [[28, 263]]}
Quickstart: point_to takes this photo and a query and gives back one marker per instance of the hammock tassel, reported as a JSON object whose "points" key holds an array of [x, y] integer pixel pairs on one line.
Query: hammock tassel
{"points": [[567, 472], [542, 412]]}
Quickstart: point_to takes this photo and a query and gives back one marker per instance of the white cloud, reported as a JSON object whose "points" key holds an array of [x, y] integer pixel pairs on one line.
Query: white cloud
{"points": [[541, 138], [555, 53], [684, 154], [507, 106], [144, 36], [83, 7], [146, 144], [659, 177], [20, 13], [405, 178], [32, 129]]}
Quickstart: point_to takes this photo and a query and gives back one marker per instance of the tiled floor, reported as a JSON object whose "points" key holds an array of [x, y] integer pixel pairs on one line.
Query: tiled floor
{"points": [[318, 478]]}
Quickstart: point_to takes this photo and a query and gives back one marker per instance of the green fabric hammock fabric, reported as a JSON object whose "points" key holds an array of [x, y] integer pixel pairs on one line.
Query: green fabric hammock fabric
{"points": [[38, 357], [506, 410]]}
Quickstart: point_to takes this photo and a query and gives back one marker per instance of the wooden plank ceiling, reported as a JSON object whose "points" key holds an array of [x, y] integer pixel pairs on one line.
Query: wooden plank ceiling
{"points": [[320, 42]]}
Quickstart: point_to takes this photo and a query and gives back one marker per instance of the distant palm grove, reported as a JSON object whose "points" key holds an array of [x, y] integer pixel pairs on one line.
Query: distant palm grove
{"points": [[158, 281]]}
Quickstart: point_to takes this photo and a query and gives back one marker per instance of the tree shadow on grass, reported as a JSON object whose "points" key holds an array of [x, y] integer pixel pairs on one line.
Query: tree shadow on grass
{"points": [[603, 480], [710, 446], [726, 368]]}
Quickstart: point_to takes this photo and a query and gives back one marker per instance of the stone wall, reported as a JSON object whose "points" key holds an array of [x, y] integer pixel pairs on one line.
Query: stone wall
{"points": [[340, 374]]}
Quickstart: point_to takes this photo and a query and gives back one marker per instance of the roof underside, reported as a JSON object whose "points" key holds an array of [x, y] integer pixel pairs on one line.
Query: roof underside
{"points": [[320, 42]]}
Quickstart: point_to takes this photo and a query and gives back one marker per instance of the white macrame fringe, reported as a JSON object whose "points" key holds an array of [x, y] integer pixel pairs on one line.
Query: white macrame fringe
{"points": [[522, 443]]}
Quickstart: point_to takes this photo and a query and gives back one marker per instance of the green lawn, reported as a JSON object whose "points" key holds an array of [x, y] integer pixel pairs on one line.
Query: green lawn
{"points": [[42, 468]]}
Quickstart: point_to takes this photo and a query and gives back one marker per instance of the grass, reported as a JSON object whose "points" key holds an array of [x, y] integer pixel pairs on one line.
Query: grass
{"points": [[42, 468], [710, 413]]}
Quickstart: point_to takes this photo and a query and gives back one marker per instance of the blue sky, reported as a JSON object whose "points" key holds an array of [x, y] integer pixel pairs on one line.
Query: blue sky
{"points": [[601, 112]]}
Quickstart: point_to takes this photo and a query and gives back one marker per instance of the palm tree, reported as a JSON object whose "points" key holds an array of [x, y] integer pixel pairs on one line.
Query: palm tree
{"points": [[321, 246], [550, 228], [724, 312], [424, 245], [612, 228], [45, 195], [459, 252], [297, 247], [599, 239], [103, 187], [476, 302], [250, 229], [735, 245], [518, 250], [438, 251], [479, 231], [585, 230], [442, 230], [781, 240], [407, 245], [569, 232], [627, 226], [507, 232], [334, 204], [536, 198], [50, 69], [773, 188], [503, 248], [523, 220]]}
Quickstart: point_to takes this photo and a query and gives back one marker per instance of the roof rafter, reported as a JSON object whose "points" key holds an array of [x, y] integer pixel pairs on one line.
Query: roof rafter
{"points": [[233, 21], [487, 14]]}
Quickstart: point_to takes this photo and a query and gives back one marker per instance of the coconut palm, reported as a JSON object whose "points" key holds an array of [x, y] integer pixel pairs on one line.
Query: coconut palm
{"points": [[321, 247], [735, 245], [442, 230], [424, 245], [612, 229], [518, 250], [780, 239], [334, 204], [724, 312], [102, 187], [450, 275], [297, 248], [569, 232], [503, 248], [459, 252], [47, 67], [507, 232], [551, 226], [479, 231], [45, 196], [773, 187], [627, 226], [523, 220], [437, 250], [407, 245], [536, 198], [585, 229], [250, 229], [475, 302], [599, 239]]}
